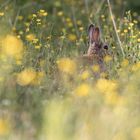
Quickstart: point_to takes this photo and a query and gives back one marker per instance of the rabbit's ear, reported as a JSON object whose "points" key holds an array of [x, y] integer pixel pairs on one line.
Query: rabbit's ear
{"points": [[96, 34], [90, 31]]}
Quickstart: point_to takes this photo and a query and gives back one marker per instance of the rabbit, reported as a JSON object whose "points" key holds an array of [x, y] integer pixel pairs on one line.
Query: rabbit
{"points": [[96, 50]]}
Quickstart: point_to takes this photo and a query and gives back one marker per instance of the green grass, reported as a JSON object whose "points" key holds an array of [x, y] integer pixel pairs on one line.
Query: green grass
{"points": [[41, 99]]}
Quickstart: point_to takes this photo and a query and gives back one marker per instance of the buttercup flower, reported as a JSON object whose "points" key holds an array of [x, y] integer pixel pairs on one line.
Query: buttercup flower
{"points": [[82, 90], [26, 77], [66, 65]]}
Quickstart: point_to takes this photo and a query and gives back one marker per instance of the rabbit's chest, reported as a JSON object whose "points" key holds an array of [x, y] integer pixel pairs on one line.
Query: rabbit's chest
{"points": [[97, 54]]}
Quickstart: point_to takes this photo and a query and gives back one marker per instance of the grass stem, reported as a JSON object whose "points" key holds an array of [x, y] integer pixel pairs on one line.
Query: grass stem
{"points": [[115, 27]]}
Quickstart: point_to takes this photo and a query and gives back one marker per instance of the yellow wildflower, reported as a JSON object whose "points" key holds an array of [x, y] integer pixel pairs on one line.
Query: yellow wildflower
{"points": [[107, 58], [122, 34], [125, 31], [136, 67], [79, 22], [4, 127], [20, 17], [135, 21], [12, 46], [131, 24], [70, 24], [81, 28], [18, 62], [38, 20], [102, 16], [68, 19], [26, 77], [118, 31], [34, 15], [85, 75], [125, 63], [60, 13], [66, 65], [96, 68], [106, 86], [82, 90], [72, 37], [134, 36], [37, 47], [43, 12], [27, 29], [30, 37], [39, 78], [1, 14]]}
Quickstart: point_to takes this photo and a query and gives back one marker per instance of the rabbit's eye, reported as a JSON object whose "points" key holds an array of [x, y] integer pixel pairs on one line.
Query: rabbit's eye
{"points": [[106, 47]]}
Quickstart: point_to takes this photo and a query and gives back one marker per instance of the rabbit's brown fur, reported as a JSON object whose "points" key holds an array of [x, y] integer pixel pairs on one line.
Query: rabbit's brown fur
{"points": [[96, 51]]}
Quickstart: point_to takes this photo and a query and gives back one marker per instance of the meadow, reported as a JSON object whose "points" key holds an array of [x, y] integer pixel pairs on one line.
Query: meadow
{"points": [[45, 94]]}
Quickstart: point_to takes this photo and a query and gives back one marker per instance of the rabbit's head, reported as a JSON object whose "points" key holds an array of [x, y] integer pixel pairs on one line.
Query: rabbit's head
{"points": [[96, 47]]}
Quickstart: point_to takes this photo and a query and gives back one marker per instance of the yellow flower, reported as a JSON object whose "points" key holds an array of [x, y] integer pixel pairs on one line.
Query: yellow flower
{"points": [[18, 62], [4, 127], [81, 28], [118, 31], [1, 14], [37, 47], [131, 24], [136, 67], [38, 20], [60, 13], [34, 15], [39, 78], [136, 133], [95, 68], [102, 16], [82, 90], [70, 24], [72, 37], [20, 17], [125, 63], [107, 58], [43, 12], [85, 75], [30, 37], [109, 90], [106, 86], [26, 77], [125, 31], [12, 46], [79, 22], [66, 65], [68, 19]]}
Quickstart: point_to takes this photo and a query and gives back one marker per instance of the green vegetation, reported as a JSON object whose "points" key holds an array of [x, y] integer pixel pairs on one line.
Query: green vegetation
{"points": [[45, 94]]}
